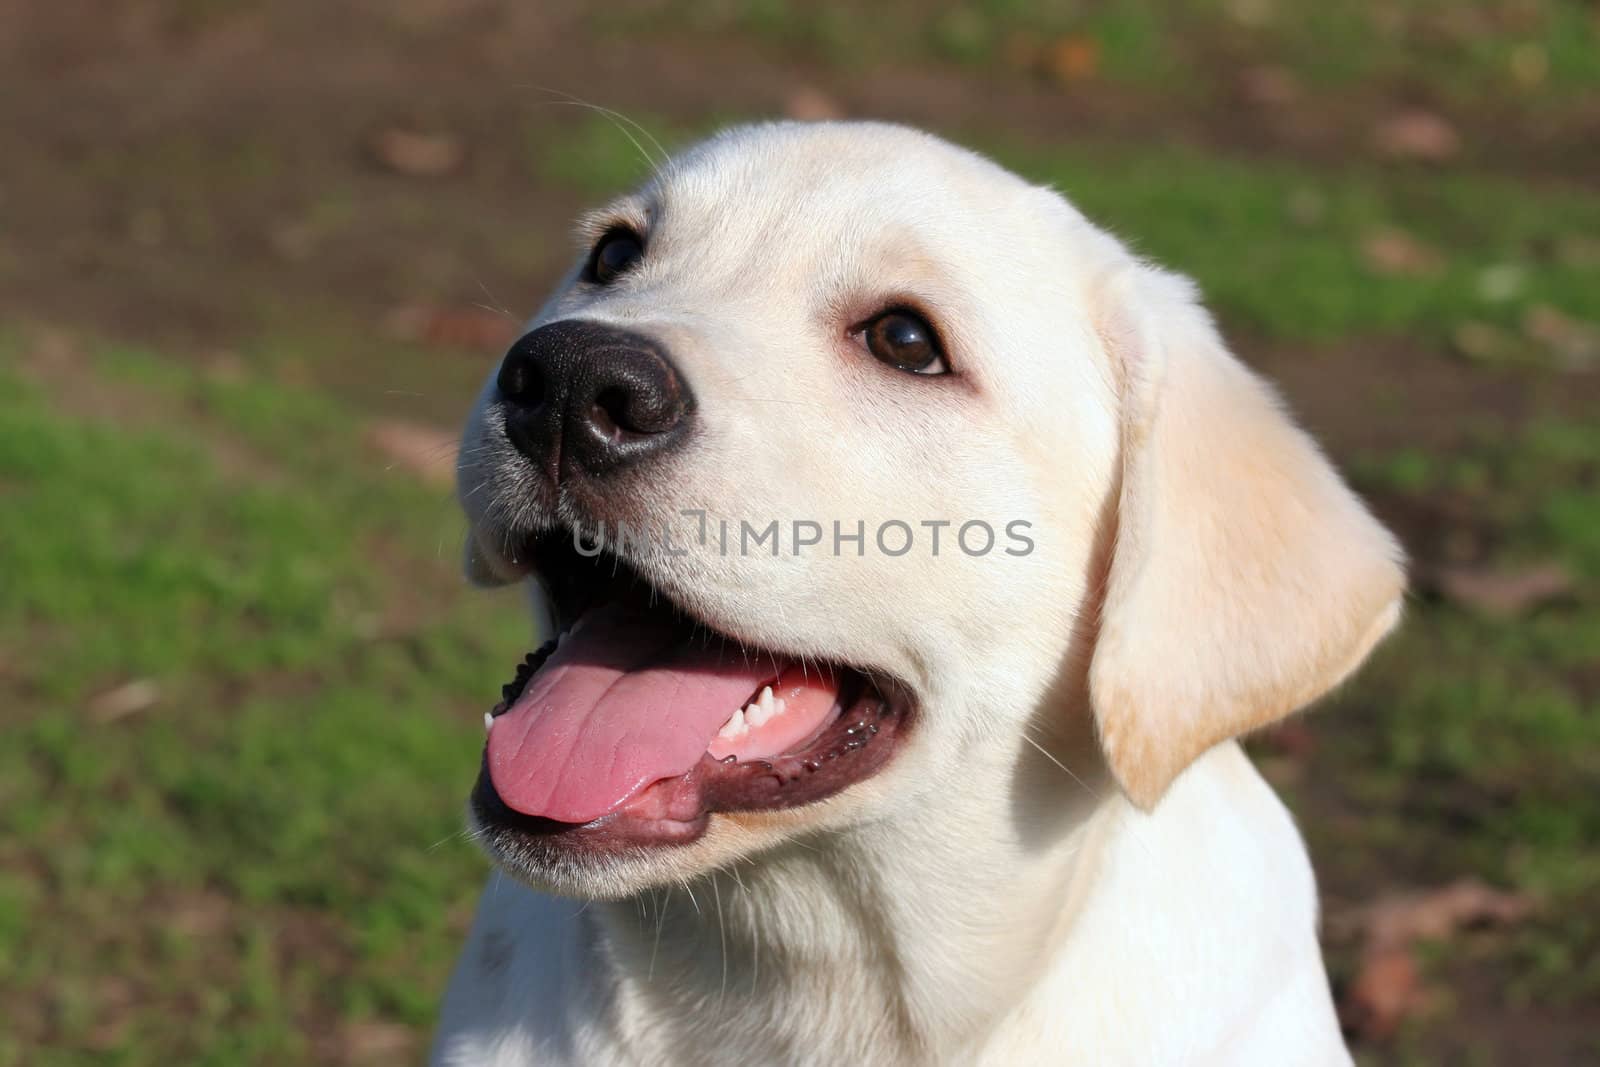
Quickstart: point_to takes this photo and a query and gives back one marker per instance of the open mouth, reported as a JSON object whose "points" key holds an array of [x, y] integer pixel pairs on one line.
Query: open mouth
{"points": [[639, 721]]}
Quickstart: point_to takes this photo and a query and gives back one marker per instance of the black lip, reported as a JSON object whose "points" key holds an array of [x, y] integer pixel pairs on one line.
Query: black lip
{"points": [[525, 671]]}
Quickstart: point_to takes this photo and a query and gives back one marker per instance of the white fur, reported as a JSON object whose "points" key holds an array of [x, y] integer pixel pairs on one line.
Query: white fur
{"points": [[1069, 861]]}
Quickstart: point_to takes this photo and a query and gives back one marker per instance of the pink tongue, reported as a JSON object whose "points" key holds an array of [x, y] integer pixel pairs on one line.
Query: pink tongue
{"points": [[628, 699]]}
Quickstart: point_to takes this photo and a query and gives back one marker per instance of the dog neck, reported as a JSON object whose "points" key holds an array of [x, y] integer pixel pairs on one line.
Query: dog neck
{"points": [[861, 940]]}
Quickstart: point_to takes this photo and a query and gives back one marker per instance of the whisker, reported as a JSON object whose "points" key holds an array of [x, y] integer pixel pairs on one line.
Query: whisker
{"points": [[616, 119], [1067, 770], [722, 939], [661, 920], [616, 116], [494, 304]]}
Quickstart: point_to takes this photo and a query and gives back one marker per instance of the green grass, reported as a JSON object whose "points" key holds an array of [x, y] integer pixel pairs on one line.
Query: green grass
{"points": [[1466, 52], [1133, 42], [1277, 248], [1472, 744], [320, 681]]}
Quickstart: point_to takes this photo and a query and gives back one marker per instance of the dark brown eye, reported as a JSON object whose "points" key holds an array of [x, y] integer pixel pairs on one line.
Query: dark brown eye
{"points": [[905, 341], [615, 254]]}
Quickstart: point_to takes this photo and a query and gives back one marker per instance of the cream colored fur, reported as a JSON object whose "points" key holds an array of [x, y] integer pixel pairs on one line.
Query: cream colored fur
{"points": [[1070, 861]]}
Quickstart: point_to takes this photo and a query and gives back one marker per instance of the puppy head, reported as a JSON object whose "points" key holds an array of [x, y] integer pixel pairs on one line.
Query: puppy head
{"points": [[892, 434]]}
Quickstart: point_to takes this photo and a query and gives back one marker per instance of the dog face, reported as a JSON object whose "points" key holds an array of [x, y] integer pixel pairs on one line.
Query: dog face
{"points": [[889, 458]]}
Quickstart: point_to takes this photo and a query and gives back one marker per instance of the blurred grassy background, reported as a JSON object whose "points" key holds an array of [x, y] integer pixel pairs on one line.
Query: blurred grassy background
{"points": [[255, 258]]}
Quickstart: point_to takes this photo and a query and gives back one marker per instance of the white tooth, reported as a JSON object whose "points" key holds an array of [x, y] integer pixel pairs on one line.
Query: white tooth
{"points": [[764, 708], [734, 726], [488, 722], [560, 637]]}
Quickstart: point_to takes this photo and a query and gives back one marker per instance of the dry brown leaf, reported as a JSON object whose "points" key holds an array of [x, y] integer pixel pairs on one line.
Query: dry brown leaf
{"points": [[1401, 919], [130, 698], [1270, 85], [115, 1002], [1575, 344], [1417, 134], [1251, 12], [1397, 252], [1385, 990], [810, 104], [1388, 985], [417, 154], [373, 1041], [453, 327], [201, 914], [426, 451], [1073, 58], [1503, 593]]}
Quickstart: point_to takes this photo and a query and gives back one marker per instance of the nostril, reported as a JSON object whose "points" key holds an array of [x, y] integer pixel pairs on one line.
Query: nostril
{"points": [[648, 407], [520, 382], [608, 413]]}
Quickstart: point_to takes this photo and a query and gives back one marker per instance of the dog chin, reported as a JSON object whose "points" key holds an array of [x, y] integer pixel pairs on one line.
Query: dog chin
{"points": [[569, 869]]}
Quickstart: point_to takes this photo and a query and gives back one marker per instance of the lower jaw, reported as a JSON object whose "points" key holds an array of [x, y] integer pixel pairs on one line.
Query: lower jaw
{"points": [[856, 744]]}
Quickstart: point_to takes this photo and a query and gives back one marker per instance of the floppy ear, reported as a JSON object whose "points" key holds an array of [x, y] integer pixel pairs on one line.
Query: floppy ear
{"points": [[1247, 579]]}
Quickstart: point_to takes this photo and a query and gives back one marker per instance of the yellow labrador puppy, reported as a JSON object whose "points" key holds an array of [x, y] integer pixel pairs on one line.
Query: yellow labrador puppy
{"points": [[917, 554]]}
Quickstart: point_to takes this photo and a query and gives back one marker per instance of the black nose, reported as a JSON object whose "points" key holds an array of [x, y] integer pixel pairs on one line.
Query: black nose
{"points": [[585, 397]]}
